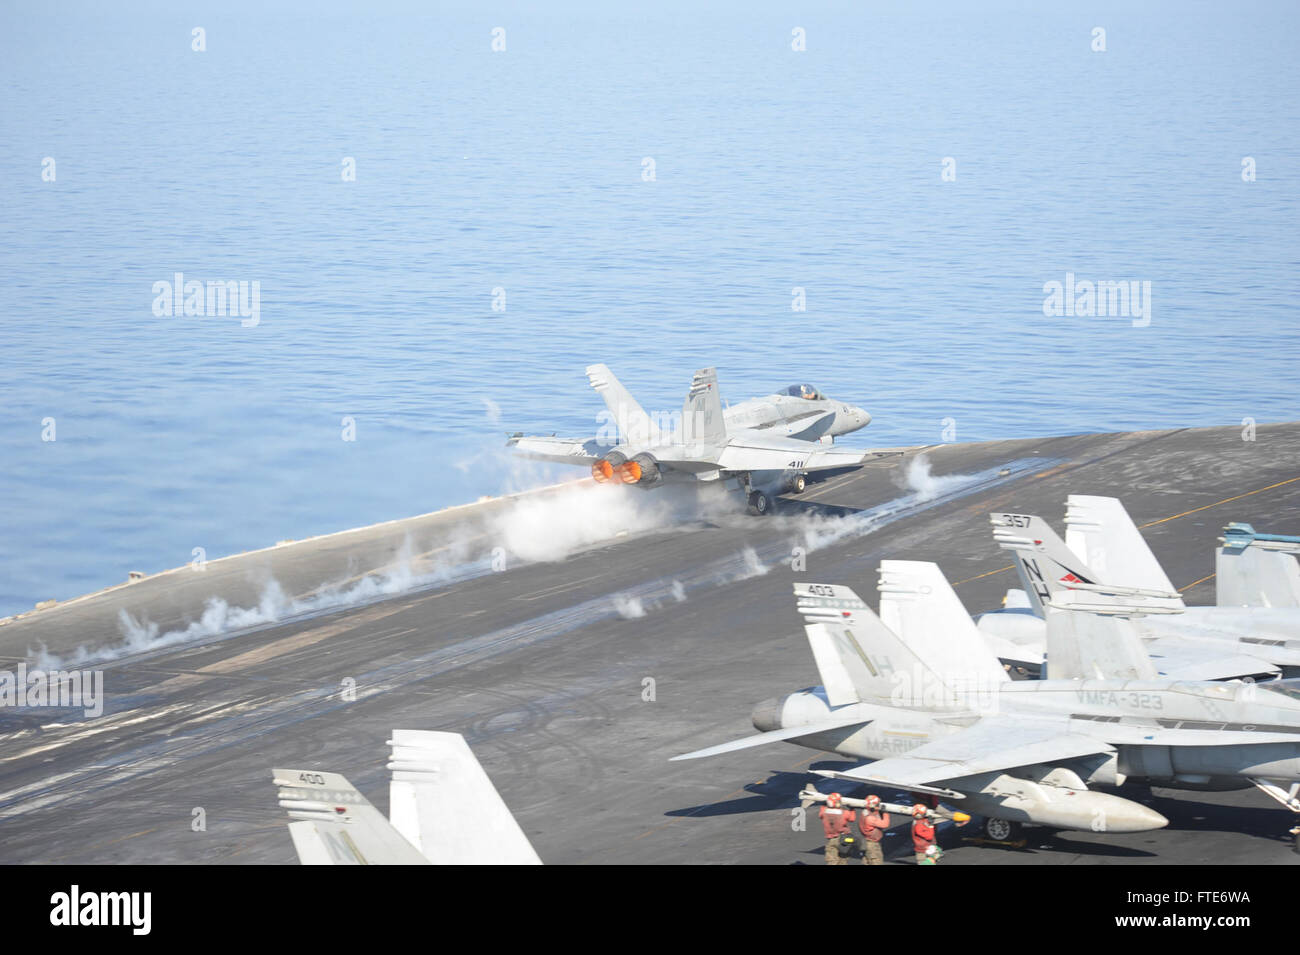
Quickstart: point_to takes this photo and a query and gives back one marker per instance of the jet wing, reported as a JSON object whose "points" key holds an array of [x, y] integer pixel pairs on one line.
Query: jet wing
{"points": [[754, 453], [1179, 660], [773, 736], [563, 450], [747, 454], [994, 744]]}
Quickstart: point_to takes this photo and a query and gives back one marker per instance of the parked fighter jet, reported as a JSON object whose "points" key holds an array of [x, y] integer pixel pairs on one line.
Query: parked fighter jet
{"points": [[768, 445], [1121, 572], [916, 691], [443, 811], [1256, 570]]}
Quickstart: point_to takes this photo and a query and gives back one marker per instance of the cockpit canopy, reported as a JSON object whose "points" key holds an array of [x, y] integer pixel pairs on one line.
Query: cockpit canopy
{"points": [[1289, 688], [803, 391]]}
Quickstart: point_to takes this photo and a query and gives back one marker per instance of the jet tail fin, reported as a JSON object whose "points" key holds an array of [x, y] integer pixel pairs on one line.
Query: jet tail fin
{"points": [[634, 425], [446, 806], [1045, 565], [843, 632], [918, 604], [444, 810], [336, 825], [1080, 644], [702, 419], [1090, 646], [859, 657], [921, 651], [1100, 531], [1053, 575], [1256, 570]]}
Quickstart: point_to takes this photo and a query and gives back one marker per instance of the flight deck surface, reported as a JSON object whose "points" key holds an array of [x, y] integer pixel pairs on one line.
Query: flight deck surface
{"points": [[466, 620]]}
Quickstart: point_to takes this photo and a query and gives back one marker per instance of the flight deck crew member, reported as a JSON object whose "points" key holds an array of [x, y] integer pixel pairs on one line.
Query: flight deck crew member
{"points": [[873, 822], [835, 822], [922, 833]]}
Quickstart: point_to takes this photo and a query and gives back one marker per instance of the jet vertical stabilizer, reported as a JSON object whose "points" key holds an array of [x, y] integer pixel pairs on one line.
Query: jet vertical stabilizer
{"points": [[702, 421], [853, 649], [1054, 576], [442, 801], [336, 825], [1256, 570], [918, 604], [634, 425], [1100, 532], [443, 810], [1039, 551]]}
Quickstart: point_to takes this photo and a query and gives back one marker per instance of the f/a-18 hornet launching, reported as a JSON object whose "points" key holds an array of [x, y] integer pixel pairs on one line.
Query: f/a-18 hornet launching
{"points": [[767, 445]]}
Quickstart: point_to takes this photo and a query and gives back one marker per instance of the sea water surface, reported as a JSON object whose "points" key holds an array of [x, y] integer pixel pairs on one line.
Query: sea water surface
{"points": [[521, 177]]}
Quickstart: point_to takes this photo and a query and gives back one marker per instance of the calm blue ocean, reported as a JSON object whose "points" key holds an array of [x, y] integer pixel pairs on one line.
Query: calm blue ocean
{"points": [[525, 170]]}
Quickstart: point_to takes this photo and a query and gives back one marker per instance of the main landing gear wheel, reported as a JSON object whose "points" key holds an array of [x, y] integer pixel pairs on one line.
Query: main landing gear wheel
{"points": [[1001, 830], [760, 504]]}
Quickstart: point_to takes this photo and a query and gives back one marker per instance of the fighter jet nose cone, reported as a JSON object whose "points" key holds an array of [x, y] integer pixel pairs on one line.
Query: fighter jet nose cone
{"points": [[850, 418], [766, 716]]}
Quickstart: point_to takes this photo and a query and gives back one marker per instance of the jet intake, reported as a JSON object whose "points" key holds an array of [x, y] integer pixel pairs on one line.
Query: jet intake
{"points": [[794, 709], [766, 716]]}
